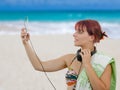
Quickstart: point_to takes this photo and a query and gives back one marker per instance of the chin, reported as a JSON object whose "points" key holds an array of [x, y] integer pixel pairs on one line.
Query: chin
{"points": [[77, 45]]}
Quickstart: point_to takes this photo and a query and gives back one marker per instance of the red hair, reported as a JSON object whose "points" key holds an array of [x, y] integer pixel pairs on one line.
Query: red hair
{"points": [[93, 28]]}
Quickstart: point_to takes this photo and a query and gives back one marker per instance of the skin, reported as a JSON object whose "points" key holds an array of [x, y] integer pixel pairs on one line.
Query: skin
{"points": [[81, 39]]}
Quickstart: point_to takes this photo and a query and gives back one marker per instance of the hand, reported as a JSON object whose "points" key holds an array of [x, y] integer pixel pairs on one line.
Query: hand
{"points": [[25, 36], [86, 56]]}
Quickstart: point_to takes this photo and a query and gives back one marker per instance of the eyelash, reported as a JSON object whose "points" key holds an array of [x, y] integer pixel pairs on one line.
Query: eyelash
{"points": [[80, 31]]}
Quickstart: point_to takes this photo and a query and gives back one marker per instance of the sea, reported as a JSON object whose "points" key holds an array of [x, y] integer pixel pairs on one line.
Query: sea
{"points": [[57, 22]]}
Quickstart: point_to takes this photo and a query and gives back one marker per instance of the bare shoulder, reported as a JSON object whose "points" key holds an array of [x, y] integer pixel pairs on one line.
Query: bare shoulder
{"points": [[69, 58], [107, 73], [106, 76], [108, 69]]}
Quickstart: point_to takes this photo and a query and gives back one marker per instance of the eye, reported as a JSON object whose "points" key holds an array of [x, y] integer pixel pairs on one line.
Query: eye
{"points": [[81, 31]]}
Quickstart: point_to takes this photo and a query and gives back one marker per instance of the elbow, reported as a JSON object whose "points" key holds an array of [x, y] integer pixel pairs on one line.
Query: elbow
{"points": [[106, 88], [37, 68], [102, 88]]}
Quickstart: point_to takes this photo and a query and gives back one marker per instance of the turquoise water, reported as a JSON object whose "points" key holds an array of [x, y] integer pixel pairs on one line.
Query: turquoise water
{"points": [[108, 16], [58, 22]]}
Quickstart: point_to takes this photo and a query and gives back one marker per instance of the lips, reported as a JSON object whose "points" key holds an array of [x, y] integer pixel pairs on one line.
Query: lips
{"points": [[75, 39]]}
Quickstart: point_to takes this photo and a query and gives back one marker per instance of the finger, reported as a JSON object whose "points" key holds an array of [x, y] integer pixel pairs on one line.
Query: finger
{"points": [[86, 51], [89, 51], [28, 36], [23, 30], [83, 51], [23, 34], [81, 54]]}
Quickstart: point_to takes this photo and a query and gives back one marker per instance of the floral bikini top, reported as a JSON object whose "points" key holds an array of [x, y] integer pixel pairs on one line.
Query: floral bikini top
{"points": [[99, 62], [71, 78]]}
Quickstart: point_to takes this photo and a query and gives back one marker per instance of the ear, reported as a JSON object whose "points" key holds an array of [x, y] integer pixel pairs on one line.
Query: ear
{"points": [[92, 38]]}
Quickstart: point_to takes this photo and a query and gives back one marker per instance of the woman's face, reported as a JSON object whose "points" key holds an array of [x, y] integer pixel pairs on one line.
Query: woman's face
{"points": [[81, 37]]}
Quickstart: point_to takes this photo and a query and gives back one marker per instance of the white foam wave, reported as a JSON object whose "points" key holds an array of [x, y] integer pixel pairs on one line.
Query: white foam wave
{"points": [[34, 27], [38, 27], [112, 29]]}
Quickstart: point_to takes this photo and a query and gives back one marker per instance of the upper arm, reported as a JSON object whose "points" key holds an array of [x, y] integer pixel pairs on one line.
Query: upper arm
{"points": [[55, 64], [106, 76]]}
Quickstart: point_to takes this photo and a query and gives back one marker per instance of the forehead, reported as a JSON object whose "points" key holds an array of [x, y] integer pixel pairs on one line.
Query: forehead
{"points": [[80, 27]]}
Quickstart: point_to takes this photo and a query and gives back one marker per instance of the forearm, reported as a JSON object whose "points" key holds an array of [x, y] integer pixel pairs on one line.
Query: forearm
{"points": [[95, 81], [36, 63]]}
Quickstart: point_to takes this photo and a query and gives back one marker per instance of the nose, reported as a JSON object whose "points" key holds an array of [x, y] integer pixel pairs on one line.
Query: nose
{"points": [[74, 34]]}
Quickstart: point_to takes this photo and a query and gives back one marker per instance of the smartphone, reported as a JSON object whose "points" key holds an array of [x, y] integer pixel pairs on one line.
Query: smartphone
{"points": [[26, 23]]}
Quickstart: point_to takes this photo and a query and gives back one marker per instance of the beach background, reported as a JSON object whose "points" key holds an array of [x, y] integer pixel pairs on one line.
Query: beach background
{"points": [[52, 36]]}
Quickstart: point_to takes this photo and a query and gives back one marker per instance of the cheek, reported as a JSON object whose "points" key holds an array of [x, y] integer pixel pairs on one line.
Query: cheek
{"points": [[84, 40]]}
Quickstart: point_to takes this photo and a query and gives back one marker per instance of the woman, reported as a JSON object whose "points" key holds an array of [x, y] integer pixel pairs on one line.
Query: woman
{"points": [[85, 71]]}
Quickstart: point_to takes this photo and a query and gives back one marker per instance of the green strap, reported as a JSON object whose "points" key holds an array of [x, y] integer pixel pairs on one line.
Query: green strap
{"points": [[113, 77]]}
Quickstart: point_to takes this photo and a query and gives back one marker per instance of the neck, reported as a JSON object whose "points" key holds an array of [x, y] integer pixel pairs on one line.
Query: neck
{"points": [[91, 47]]}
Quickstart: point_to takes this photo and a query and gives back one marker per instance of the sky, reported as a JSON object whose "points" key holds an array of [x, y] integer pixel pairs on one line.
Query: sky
{"points": [[59, 5]]}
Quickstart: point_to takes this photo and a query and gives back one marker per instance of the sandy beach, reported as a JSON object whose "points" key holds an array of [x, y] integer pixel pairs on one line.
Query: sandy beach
{"points": [[17, 73]]}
